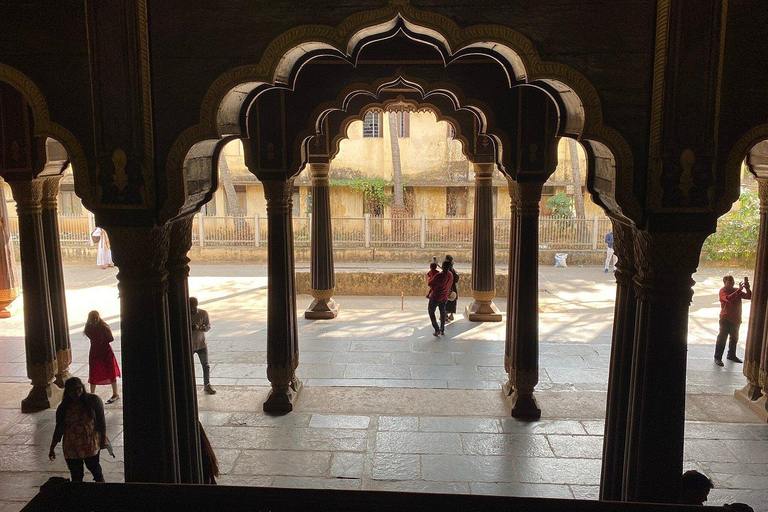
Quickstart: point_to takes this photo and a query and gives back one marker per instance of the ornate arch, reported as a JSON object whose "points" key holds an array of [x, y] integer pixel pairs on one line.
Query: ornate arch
{"points": [[44, 127], [386, 105], [284, 56], [738, 153]]}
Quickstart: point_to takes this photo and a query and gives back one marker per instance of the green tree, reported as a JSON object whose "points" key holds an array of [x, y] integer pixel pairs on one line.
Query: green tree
{"points": [[561, 206], [737, 231]]}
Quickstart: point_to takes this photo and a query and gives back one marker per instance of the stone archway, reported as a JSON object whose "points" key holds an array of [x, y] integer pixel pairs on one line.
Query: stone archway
{"points": [[221, 116]]}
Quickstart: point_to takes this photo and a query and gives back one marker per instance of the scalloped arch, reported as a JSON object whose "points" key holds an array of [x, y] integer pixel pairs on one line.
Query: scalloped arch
{"points": [[289, 51], [44, 127], [736, 156], [418, 106]]}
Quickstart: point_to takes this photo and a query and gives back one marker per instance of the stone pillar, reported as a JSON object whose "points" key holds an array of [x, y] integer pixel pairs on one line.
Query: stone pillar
{"points": [[50, 219], [620, 372], [321, 249], [654, 450], [482, 308], [755, 344], [38, 325], [282, 328], [514, 262], [524, 366], [185, 389], [149, 413]]}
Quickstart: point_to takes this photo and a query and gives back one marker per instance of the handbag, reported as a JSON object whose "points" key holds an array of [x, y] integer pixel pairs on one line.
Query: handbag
{"points": [[452, 296]]}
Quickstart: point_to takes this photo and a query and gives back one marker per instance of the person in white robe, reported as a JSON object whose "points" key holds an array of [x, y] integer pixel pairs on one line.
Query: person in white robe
{"points": [[104, 253]]}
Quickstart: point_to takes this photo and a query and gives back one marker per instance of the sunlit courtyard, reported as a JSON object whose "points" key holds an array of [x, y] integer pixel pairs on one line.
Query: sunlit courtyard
{"points": [[388, 406]]}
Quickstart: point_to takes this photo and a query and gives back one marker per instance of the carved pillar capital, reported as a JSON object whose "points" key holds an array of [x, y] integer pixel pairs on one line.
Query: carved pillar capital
{"points": [[51, 187], [624, 247], [180, 242], [665, 262], [320, 174], [140, 254], [483, 172], [762, 191], [514, 194], [530, 197], [279, 194], [28, 196]]}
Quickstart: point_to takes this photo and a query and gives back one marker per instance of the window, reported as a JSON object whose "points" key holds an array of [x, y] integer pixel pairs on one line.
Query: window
{"points": [[209, 208], [403, 124], [372, 124], [456, 199], [69, 204], [296, 202], [409, 198]]}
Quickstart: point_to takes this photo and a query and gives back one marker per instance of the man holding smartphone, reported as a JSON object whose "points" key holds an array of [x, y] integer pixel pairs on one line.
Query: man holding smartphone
{"points": [[200, 325], [730, 317]]}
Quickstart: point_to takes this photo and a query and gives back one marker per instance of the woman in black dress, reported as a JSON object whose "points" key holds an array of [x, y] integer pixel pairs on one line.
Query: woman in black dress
{"points": [[450, 306]]}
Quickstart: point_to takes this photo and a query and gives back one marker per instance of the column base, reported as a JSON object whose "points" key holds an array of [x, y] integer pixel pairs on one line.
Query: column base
{"points": [[38, 399], [524, 407], [482, 311], [4, 313], [282, 401], [759, 406], [61, 378], [322, 309]]}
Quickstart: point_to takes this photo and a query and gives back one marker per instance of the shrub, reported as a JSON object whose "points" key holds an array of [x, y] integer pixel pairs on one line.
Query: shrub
{"points": [[737, 231], [561, 206]]}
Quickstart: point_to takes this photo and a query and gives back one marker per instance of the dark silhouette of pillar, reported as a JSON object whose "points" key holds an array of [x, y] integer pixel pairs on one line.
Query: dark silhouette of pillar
{"points": [[482, 308], [524, 365], [321, 247], [755, 342], [282, 328], [185, 390], [149, 412], [38, 324], [50, 220], [619, 376], [514, 262], [653, 466]]}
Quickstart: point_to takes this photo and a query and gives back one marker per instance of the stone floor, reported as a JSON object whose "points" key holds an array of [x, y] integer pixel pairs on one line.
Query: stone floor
{"points": [[388, 406]]}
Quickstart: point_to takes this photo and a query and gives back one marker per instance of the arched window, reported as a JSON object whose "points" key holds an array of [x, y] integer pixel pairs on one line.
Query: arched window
{"points": [[372, 124]]}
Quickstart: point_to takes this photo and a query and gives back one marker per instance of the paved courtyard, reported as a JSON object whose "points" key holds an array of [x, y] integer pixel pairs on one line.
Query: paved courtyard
{"points": [[387, 406]]}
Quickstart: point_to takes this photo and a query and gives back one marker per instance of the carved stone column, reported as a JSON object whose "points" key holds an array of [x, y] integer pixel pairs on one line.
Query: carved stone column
{"points": [[185, 389], [482, 308], [524, 366], [654, 449], [756, 333], [50, 219], [619, 376], [38, 326], [321, 261], [514, 263], [149, 413], [282, 328]]}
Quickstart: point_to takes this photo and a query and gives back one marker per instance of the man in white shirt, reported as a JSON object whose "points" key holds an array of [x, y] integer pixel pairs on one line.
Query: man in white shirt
{"points": [[200, 325]]}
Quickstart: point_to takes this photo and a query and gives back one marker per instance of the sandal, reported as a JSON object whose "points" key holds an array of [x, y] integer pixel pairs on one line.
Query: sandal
{"points": [[113, 399]]}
